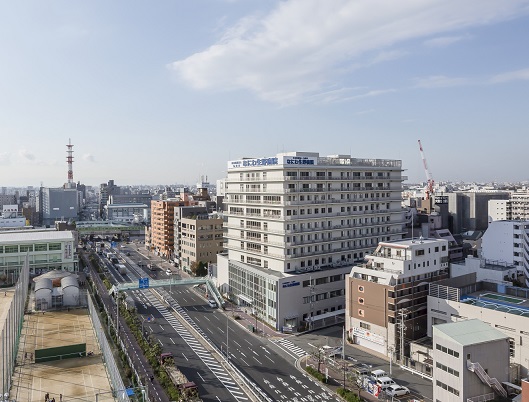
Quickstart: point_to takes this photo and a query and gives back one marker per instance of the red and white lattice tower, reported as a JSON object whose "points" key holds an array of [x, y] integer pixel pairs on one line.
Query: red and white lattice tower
{"points": [[69, 159]]}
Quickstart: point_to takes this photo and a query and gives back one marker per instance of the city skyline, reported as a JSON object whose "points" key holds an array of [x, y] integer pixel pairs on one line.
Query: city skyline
{"points": [[168, 92]]}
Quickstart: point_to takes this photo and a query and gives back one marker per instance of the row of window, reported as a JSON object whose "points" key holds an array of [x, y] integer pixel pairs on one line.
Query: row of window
{"points": [[447, 369], [23, 248], [446, 350], [447, 387], [294, 173], [323, 296]]}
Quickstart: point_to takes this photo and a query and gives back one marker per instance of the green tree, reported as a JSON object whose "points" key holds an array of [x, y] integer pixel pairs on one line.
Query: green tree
{"points": [[199, 268]]}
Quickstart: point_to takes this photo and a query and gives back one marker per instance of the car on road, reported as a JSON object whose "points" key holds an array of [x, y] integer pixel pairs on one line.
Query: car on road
{"points": [[212, 303], [397, 390], [168, 271]]}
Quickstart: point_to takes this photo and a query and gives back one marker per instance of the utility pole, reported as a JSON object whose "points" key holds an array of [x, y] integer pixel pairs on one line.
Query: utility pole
{"points": [[311, 290], [402, 332]]}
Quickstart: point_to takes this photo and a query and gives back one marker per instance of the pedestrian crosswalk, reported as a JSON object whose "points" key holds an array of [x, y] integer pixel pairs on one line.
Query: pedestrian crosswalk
{"points": [[290, 348], [211, 363]]}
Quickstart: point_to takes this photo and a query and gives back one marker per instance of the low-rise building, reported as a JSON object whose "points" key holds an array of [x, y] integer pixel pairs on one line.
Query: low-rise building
{"points": [[469, 359], [11, 218], [503, 307], [47, 250]]}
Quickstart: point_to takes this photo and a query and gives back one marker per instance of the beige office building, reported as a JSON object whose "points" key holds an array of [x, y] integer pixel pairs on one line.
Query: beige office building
{"points": [[198, 236]]}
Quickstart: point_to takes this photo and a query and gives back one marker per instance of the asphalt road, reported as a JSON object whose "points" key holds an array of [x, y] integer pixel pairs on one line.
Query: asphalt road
{"points": [[259, 359], [195, 362], [419, 387]]}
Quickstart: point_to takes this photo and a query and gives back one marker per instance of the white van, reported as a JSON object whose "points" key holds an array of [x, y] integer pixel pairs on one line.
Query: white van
{"points": [[376, 374], [385, 382]]}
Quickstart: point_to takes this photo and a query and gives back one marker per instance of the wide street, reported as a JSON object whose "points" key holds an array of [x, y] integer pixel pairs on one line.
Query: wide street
{"points": [[266, 362], [258, 359]]}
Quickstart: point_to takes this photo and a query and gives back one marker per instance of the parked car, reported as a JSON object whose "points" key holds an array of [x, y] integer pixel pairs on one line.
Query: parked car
{"points": [[397, 390], [376, 374], [385, 382]]}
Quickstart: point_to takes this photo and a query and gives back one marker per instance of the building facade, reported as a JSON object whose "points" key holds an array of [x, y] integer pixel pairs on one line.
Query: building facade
{"points": [[128, 213], [47, 249], [11, 218], [57, 204], [515, 208], [298, 218], [162, 226], [501, 306], [469, 209], [468, 356], [198, 236], [386, 298], [508, 242]]}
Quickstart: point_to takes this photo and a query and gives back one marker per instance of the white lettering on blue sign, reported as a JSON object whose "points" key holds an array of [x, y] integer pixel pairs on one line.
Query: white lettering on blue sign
{"points": [[290, 284], [259, 162], [300, 161]]}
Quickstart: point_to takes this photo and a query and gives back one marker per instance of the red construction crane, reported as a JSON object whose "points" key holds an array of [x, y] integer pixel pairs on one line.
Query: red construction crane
{"points": [[429, 179]]}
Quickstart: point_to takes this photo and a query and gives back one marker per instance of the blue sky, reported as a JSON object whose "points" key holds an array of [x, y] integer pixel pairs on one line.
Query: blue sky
{"points": [[163, 92]]}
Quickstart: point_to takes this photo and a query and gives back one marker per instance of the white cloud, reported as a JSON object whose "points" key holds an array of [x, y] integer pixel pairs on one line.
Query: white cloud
{"points": [[518, 75], [304, 47], [443, 41], [5, 158], [89, 157], [24, 153]]}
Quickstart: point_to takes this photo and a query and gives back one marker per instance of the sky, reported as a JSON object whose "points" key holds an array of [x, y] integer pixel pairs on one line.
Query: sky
{"points": [[163, 92]]}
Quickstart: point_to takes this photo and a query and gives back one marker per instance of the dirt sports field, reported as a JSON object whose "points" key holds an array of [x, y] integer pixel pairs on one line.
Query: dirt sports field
{"points": [[77, 378]]}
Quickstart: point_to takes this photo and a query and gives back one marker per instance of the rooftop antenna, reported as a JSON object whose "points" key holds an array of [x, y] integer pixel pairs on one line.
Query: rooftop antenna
{"points": [[69, 159]]}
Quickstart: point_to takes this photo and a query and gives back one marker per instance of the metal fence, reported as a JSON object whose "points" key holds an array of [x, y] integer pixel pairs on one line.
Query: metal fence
{"points": [[12, 328], [112, 369]]}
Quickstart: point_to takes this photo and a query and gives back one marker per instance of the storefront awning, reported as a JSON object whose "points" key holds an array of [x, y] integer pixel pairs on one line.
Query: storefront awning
{"points": [[245, 298], [326, 315]]}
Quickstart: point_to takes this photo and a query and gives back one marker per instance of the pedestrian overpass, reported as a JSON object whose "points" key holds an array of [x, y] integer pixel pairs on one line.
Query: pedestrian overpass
{"points": [[146, 283]]}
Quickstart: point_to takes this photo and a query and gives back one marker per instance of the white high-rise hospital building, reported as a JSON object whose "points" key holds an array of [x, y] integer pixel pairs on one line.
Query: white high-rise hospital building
{"points": [[296, 223]]}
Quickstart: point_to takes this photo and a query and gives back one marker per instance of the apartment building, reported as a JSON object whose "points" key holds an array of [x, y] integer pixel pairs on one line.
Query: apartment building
{"points": [[296, 223], [198, 236], [386, 297], [162, 226], [508, 242], [469, 359], [48, 250], [514, 208]]}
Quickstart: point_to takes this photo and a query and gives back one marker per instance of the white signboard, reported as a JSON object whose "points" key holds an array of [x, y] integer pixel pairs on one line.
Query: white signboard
{"points": [[365, 334]]}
